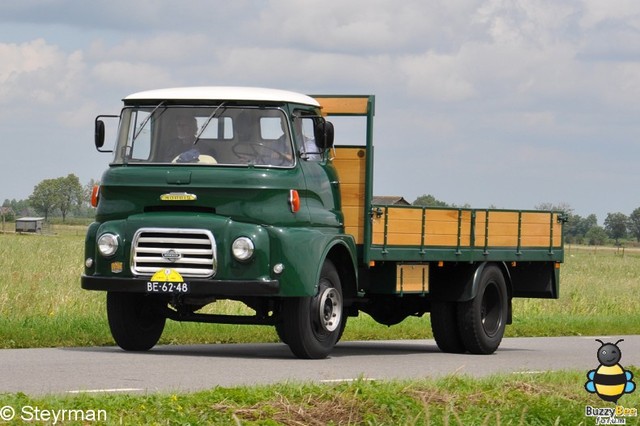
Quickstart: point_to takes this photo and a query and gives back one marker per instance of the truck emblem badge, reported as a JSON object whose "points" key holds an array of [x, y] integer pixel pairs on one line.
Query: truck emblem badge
{"points": [[178, 196], [171, 255]]}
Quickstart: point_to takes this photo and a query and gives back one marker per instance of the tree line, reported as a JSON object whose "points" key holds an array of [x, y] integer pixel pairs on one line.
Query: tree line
{"points": [[62, 196], [66, 195], [579, 230]]}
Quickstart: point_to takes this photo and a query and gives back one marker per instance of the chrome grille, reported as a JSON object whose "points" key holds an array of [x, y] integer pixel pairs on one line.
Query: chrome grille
{"points": [[191, 252]]}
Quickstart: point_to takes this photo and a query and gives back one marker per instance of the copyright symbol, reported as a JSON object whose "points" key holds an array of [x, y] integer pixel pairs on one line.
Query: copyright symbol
{"points": [[7, 413]]}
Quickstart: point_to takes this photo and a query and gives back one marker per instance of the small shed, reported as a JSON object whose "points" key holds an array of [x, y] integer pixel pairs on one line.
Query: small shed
{"points": [[389, 200], [29, 224]]}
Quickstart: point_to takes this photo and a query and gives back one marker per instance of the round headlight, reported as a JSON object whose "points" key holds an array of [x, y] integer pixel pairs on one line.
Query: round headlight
{"points": [[107, 244], [242, 248]]}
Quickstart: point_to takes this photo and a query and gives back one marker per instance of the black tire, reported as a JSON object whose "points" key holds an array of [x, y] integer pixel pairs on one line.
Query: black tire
{"points": [[280, 329], [482, 320], [311, 326], [134, 320], [343, 325], [444, 325], [283, 338]]}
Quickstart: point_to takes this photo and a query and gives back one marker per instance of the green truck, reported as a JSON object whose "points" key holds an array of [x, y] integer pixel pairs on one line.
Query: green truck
{"points": [[236, 193]]}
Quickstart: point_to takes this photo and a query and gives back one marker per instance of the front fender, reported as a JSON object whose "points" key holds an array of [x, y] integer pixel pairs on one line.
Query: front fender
{"points": [[302, 252]]}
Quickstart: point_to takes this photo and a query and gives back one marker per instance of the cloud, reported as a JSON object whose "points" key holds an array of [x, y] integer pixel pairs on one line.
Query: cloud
{"points": [[122, 73], [368, 27], [127, 16], [38, 79], [460, 84]]}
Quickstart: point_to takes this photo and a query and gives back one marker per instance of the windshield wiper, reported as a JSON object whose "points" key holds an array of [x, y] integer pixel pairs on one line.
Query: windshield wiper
{"points": [[144, 123], [206, 123]]}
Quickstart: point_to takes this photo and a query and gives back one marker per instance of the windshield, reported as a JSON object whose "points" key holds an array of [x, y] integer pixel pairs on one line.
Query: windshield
{"points": [[212, 135]]}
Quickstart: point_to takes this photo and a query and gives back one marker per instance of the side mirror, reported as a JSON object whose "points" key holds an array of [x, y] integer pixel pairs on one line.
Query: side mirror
{"points": [[323, 132], [99, 134]]}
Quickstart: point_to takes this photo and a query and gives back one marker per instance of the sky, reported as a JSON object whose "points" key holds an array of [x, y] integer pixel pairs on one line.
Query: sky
{"points": [[501, 103]]}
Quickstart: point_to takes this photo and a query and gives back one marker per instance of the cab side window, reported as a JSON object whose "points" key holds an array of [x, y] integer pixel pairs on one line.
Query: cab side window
{"points": [[306, 139]]}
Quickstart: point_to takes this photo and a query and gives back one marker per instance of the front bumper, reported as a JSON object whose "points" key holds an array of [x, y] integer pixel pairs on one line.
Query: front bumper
{"points": [[221, 288]]}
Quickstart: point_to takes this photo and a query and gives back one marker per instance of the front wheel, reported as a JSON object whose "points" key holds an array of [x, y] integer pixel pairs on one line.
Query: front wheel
{"points": [[311, 326], [134, 320], [482, 320]]}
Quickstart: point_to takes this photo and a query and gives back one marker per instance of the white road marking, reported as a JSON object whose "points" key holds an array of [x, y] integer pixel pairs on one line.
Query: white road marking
{"points": [[363, 379], [106, 390]]}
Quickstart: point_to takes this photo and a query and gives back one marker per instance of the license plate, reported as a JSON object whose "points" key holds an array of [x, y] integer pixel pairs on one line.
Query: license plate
{"points": [[168, 287]]}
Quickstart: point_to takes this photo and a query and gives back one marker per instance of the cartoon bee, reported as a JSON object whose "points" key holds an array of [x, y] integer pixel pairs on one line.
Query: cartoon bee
{"points": [[609, 381]]}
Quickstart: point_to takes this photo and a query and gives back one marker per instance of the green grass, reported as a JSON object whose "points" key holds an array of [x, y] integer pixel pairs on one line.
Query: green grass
{"points": [[545, 399], [42, 304]]}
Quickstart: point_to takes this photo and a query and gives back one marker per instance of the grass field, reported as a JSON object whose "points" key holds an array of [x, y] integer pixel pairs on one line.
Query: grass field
{"points": [[41, 303], [518, 400]]}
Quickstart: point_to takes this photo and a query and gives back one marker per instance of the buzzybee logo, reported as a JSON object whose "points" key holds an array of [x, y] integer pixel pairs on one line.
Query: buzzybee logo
{"points": [[610, 381]]}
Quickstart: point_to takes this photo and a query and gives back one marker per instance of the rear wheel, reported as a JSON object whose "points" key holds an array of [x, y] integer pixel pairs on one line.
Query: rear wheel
{"points": [[134, 320], [482, 320], [444, 325], [311, 326]]}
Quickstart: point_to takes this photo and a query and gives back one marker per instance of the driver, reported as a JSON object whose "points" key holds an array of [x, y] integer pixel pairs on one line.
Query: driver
{"points": [[181, 149]]}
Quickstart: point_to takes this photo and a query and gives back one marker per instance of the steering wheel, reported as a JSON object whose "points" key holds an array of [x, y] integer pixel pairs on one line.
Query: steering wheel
{"points": [[258, 151], [194, 156]]}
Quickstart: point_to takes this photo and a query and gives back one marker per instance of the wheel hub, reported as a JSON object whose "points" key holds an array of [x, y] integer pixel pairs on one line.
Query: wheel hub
{"points": [[330, 309], [491, 314]]}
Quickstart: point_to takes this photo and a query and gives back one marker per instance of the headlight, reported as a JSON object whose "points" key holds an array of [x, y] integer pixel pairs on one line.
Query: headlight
{"points": [[242, 248], [107, 244]]}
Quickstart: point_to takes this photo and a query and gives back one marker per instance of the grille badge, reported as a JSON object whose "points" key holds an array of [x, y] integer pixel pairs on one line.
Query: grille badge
{"points": [[171, 255], [178, 196]]}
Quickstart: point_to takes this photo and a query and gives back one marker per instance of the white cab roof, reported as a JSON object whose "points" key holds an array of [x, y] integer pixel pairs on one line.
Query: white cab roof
{"points": [[229, 93]]}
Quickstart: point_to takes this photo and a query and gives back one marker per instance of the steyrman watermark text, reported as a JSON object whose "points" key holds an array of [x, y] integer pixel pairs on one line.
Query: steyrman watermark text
{"points": [[29, 413]]}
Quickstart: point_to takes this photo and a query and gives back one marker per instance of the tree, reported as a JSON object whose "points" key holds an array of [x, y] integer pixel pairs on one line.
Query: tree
{"points": [[7, 212], [63, 193], [20, 207], [69, 195], [45, 197], [576, 228], [596, 236], [88, 190], [562, 207], [634, 223], [429, 201], [616, 225]]}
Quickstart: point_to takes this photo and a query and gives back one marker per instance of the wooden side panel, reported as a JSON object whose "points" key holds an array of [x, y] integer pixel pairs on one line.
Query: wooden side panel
{"points": [[416, 226], [503, 229], [403, 227], [351, 167], [342, 105], [441, 227], [412, 278], [557, 231], [535, 229]]}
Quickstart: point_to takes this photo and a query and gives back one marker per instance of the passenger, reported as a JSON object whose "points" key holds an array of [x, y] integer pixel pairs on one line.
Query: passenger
{"points": [[309, 150], [253, 149]]}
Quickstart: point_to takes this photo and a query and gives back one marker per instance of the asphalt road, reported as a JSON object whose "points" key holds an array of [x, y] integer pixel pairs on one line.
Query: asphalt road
{"points": [[196, 367]]}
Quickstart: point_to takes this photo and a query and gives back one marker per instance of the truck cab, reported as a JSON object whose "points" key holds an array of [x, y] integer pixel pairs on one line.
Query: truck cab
{"points": [[214, 193]]}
